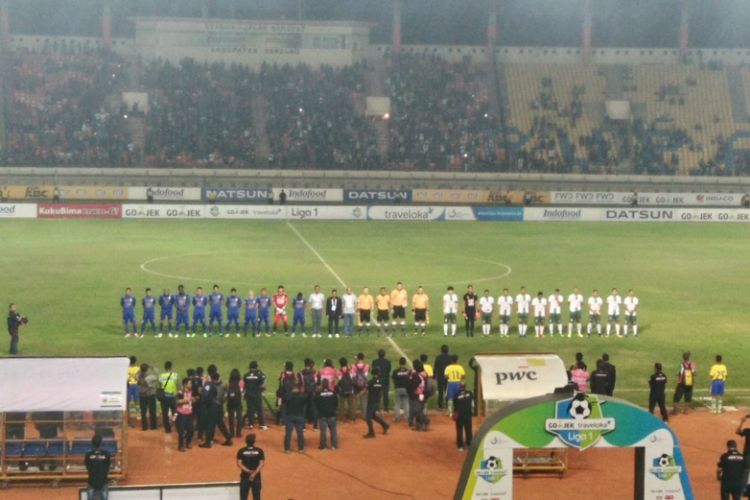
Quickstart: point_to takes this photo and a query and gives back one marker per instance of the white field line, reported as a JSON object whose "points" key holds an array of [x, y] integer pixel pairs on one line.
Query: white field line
{"points": [[338, 278]]}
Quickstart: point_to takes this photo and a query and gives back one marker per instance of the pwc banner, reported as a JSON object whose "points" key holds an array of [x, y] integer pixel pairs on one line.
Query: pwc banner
{"points": [[510, 377], [79, 211]]}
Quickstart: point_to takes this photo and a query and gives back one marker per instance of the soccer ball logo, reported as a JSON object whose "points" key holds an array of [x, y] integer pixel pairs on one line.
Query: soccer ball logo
{"points": [[491, 470], [580, 408], [664, 460], [491, 463], [665, 467]]}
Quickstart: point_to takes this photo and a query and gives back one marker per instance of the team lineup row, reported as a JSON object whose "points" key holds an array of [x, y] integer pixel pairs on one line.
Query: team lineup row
{"points": [[357, 310]]}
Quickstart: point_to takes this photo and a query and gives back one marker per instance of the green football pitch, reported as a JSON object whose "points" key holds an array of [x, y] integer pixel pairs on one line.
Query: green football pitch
{"points": [[692, 281]]}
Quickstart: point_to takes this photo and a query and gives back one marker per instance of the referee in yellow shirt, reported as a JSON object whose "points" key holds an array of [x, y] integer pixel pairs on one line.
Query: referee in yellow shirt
{"points": [[383, 302], [420, 302], [399, 302], [364, 306], [454, 374]]}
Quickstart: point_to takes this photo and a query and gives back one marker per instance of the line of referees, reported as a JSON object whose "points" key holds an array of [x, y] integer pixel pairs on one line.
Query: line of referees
{"points": [[390, 306]]}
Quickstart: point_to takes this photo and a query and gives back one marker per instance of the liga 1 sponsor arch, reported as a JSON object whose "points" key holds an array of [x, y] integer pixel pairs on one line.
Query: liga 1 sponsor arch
{"points": [[577, 421]]}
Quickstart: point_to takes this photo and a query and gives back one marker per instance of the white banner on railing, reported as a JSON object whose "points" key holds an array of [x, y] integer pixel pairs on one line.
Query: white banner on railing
{"points": [[157, 211], [641, 214], [17, 210], [645, 199], [99, 384], [509, 377], [165, 193], [405, 213]]}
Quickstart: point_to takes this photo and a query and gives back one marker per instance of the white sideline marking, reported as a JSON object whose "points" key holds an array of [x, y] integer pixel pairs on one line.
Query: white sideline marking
{"points": [[335, 275]]}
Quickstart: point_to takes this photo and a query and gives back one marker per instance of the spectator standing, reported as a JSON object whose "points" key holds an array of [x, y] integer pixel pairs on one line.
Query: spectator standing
{"points": [[401, 382], [441, 363], [345, 388], [326, 407], [349, 311], [309, 378], [185, 415], [384, 365], [328, 374], [657, 385], [234, 403], [294, 402], [147, 381], [685, 382], [600, 382], [97, 463], [374, 388], [612, 374], [360, 371], [255, 384], [418, 384], [462, 406], [580, 376], [317, 302]]}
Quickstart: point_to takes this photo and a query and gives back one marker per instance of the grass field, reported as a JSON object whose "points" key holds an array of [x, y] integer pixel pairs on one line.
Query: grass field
{"points": [[692, 280]]}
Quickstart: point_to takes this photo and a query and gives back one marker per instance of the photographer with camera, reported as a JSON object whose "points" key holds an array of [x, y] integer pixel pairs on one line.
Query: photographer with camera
{"points": [[15, 322]]}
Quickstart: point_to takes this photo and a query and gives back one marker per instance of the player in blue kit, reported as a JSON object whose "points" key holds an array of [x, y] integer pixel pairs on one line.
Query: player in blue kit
{"points": [[298, 304], [127, 302], [200, 302], [149, 312], [264, 308], [216, 299], [251, 312], [182, 303], [166, 305], [233, 312]]}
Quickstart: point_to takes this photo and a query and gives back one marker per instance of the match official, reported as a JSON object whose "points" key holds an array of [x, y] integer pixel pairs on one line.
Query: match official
{"points": [[15, 322], [250, 460]]}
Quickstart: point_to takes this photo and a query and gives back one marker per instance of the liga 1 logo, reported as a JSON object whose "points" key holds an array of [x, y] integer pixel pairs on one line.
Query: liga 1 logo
{"points": [[491, 470], [664, 467], [579, 421]]}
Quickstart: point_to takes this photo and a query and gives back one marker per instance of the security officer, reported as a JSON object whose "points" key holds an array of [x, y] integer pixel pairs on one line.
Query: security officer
{"points": [[255, 384], [462, 412], [374, 393], [657, 384], [384, 365], [250, 460], [730, 468], [600, 379]]}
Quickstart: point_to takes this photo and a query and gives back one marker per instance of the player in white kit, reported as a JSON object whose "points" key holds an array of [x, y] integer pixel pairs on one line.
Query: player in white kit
{"points": [[523, 300], [631, 303], [555, 302], [450, 310], [505, 306], [614, 301], [595, 313], [486, 306], [575, 304], [539, 303]]}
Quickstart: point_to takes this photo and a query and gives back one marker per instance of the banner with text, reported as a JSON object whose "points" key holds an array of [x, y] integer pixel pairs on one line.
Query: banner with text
{"points": [[377, 196], [237, 195], [31, 192], [473, 197], [501, 214], [17, 210], [79, 211], [591, 214], [421, 213], [156, 211], [648, 199], [520, 376], [113, 193], [165, 193], [309, 195]]}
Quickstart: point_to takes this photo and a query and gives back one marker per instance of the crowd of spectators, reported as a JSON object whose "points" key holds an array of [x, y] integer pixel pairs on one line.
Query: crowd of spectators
{"points": [[311, 117], [440, 115], [58, 112]]}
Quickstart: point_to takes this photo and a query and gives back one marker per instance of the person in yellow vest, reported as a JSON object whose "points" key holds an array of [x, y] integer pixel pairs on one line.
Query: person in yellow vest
{"points": [[383, 303], [420, 303], [365, 304], [399, 301], [718, 374], [134, 396], [455, 375]]}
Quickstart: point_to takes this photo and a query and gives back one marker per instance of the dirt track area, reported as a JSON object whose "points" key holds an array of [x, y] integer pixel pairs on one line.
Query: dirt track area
{"points": [[401, 465]]}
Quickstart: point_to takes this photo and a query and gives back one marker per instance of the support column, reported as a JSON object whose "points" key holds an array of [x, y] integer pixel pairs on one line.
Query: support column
{"points": [[684, 28], [5, 21], [586, 30], [492, 30], [396, 48], [204, 9], [107, 23]]}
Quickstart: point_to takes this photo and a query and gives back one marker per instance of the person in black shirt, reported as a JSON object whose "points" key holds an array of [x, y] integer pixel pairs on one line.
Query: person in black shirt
{"points": [[384, 365], [462, 412], [334, 311], [656, 385], [730, 470], [250, 460], [600, 379], [612, 374], [326, 407], [15, 322], [374, 389], [97, 465], [470, 310], [294, 403], [746, 449], [255, 384], [401, 380], [441, 361]]}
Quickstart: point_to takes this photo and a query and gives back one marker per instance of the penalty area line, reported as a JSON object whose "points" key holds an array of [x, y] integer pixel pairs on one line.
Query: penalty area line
{"points": [[336, 275]]}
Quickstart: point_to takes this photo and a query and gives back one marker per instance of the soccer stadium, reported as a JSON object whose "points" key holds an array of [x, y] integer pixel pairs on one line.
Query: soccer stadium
{"points": [[405, 249]]}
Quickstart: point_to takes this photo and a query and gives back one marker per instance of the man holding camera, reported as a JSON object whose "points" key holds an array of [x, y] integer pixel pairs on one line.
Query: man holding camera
{"points": [[15, 322]]}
